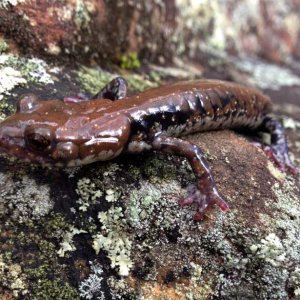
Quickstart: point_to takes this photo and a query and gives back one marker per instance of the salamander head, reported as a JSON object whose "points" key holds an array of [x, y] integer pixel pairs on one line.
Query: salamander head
{"points": [[52, 133]]}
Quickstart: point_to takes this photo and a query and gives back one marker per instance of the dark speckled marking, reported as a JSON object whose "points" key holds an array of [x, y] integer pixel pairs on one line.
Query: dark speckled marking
{"points": [[225, 100]]}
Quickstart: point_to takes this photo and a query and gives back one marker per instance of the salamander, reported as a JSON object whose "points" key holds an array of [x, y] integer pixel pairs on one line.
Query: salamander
{"points": [[80, 131]]}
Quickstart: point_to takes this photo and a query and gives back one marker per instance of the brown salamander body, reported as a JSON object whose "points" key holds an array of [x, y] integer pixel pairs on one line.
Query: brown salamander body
{"points": [[81, 131]]}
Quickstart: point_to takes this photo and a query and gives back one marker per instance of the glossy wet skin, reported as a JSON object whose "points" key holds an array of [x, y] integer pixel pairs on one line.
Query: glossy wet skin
{"points": [[60, 134], [69, 134]]}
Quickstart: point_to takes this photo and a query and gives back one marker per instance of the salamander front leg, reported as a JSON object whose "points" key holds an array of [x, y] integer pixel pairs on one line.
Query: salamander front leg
{"points": [[116, 89], [205, 194], [278, 150]]}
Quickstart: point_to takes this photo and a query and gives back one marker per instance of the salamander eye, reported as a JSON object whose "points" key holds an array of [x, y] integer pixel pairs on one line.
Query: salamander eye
{"points": [[38, 138]]}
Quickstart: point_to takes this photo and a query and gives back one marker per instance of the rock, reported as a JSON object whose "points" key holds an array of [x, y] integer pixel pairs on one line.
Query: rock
{"points": [[88, 30], [115, 230]]}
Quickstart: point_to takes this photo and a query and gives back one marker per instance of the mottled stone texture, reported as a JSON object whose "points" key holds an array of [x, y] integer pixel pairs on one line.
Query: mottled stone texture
{"points": [[102, 31], [266, 28], [88, 30]]}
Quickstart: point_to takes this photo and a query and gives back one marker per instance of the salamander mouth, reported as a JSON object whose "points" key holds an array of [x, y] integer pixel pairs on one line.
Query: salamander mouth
{"points": [[14, 144], [19, 151]]}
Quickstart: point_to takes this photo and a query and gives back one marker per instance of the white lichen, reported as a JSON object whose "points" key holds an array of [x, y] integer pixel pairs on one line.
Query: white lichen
{"points": [[87, 192], [38, 72], [196, 272], [295, 279], [266, 75], [16, 71], [143, 202], [7, 3], [111, 195], [9, 79], [270, 249], [91, 288], [290, 123], [67, 243], [28, 201], [12, 277], [114, 239]]}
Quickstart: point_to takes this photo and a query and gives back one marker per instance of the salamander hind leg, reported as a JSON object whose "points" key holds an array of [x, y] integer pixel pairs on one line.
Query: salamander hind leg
{"points": [[278, 150], [205, 194]]}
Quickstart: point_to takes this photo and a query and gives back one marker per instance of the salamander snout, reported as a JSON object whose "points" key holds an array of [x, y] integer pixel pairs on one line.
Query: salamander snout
{"points": [[26, 141], [11, 139]]}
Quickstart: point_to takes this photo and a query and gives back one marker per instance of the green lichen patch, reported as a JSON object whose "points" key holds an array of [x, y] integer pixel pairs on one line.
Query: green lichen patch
{"points": [[290, 123], [295, 281], [67, 244], [114, 239], [267, 260], [88, 193], [53, 289], [152, 200]]}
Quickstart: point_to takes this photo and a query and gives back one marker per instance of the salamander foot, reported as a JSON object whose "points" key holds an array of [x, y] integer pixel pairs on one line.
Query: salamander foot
{"points": [[281, 159], [278, 150], [203, 202]]}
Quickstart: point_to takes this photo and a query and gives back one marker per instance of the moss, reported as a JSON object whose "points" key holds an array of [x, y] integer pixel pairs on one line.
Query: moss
{"points": [[5, 108], [3, 46], [40, 272], [155, 76], [93, 80], [139, 83], [49, 290], [47, 250], [56, 224], [162, 168], [130, 61]]}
